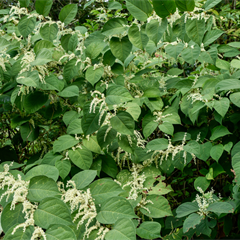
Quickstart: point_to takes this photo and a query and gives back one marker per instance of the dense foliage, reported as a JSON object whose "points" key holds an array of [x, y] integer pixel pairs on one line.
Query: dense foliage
{"points": [[125, 126]]}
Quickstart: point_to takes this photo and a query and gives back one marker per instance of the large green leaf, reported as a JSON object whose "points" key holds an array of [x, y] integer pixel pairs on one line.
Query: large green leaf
{"points": [[123, 123], [140, 9], [11, 217], [117, 94], [228, 84], [41, 187], [43, 7], [149, 230], [84, 178], [26, 25], [104, 189], [195, 30], [43, 169], [211, 36], [174, 50], [49, 31], [137, 37], [34, 101], [81, 157], [184, 5], [64, 142], [94, 75], [164, 8], [220, 207], [120, 48], [219, 131], [114, 26], [123, 229], [68, 13], [60, 232], [52, 211], [115, 208], [158, 208]]}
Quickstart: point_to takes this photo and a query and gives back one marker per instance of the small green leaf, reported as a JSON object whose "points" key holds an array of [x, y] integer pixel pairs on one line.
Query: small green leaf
{"points": [[94, 75], [64, 142], [114, 26], [227, 84], [216, 152], [70, 91], [221, 106], [201, 182], [220, 207], [164, 8], [186, 208], [210, 4], [84, 178], [191, 221], [158, 144], [64, 167], [26, 25], [60, 232], [235, 98], [43, 56], [49, 32], [149, 230], [184, 5], [222, 64]]}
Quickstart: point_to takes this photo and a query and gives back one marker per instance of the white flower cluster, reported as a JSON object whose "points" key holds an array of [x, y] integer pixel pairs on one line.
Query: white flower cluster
{"points": [[83, 202], [197, 96], [137, 183], [204, 201], [160, 116]]}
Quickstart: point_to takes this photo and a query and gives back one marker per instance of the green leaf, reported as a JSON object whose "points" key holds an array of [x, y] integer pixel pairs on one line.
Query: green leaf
{"points": [[94, 49], [105, 137], [43, 7], [140, 9], [82, 158], [235, 98], [75, 127], [221, 106], [93, 76], [104, 189], [117, 94], [137, 37], [211, 36], [222, 64], [70, 91], [64, 142], [191, 221], [92, 144], [24, 3], [186, 208], [158, 144], [68, 13], [73, 42], [114, 26], [115, 208], [34, 101], [219, 131], [210, 4], [195, 30], [12, 217], [155, 30], [191, 54], [64, 167], [19, 234], [84, 178], [133, 109], [202, 182], [69, 117], [235, 63], [192, 147], [26, 25], [42, 44], [220, 207], [18, 120], [70, 70], [165, 127], [52, 211], [43, 56], [123, 123], [149, 230], [158, 208], [123, 229], [120, 48], [30, 79], [109, 166], [60, 232], [28, 132], [184, 5], [41, 187], [164, 8], [227, 84], [216, 152], [43, 169], [52, 83], [49, 32]]}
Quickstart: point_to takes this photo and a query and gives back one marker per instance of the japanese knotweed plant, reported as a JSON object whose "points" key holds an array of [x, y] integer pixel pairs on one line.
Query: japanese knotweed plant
{"points": [[117, 129]]}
